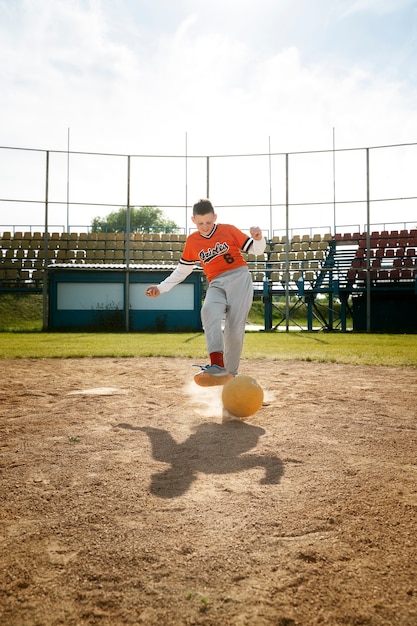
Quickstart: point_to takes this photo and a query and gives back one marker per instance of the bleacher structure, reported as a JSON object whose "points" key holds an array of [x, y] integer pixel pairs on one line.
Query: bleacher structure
{"points": [[304, 267]]}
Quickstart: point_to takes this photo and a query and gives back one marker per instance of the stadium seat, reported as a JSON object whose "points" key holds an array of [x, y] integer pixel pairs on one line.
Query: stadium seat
{"points": [[351, 274]]}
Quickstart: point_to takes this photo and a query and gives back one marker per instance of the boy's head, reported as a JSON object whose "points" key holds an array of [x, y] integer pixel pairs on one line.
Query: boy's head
{"points": [[202, 207], [204, 216]]}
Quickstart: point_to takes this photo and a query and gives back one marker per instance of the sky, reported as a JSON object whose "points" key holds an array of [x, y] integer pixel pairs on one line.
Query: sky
{"points": [[207, 78]]}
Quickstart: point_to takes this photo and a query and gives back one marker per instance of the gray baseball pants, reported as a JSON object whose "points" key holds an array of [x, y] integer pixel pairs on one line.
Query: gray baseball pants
{"points": [[228, 298]]}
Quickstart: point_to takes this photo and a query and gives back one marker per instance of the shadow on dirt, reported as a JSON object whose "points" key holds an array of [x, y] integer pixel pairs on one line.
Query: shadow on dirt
{"points": [[211, 449]]}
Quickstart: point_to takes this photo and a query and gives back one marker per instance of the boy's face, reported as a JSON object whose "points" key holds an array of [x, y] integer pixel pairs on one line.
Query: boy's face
{"points": [[204, 222]]}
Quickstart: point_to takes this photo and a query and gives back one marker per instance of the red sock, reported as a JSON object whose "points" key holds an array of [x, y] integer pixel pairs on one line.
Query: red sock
{"points": [[216, 358]]}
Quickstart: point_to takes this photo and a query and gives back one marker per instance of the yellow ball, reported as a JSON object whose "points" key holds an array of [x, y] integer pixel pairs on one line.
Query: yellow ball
{"points": [[242, 396]]}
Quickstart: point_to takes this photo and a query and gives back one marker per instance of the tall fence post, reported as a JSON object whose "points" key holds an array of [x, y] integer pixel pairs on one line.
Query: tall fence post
{"points": [[368, 248], [270, 188], [127, 251], [208, 177], [45, 250], [287, 247], [186, 182]]}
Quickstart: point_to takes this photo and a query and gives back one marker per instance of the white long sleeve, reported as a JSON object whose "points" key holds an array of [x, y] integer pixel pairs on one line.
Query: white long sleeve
{"points": [[258, 246], [177, 276]]}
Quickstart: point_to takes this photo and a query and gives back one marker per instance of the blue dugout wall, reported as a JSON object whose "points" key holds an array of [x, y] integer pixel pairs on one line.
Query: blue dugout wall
{"points": [[92, 299]]}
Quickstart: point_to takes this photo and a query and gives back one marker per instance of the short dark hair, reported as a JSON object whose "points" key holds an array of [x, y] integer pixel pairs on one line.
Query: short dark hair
{"points": [[202, 207]]}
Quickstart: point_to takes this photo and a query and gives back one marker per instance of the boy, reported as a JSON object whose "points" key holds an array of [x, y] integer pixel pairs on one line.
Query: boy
{"points": [[229, 296]]}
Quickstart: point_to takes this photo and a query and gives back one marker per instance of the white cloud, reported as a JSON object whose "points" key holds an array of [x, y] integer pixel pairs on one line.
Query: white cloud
{"points": [[124, 88], [68, 66], [377, 7], [184, 28]]}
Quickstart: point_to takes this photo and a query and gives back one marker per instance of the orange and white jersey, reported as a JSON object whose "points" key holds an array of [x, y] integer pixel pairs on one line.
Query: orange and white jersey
{"points": [[217, 252]]}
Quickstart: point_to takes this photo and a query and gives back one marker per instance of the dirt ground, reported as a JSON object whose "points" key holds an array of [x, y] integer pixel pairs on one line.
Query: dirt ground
{"points": [[126, 500]]}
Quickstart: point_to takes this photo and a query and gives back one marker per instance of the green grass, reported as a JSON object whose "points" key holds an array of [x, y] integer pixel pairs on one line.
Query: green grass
{"points": [[364, 349], [24, 312], [20, 312], [21, 337]]}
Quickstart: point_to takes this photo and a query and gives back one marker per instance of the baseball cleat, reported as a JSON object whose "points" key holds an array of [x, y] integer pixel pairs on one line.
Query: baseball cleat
{"points": [[212, 375]]}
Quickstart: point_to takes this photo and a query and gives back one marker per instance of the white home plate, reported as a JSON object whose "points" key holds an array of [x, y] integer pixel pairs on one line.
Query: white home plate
{"points": [[98, 391]]}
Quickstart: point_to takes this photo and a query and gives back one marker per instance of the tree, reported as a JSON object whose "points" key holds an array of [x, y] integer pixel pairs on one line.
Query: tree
{"points": [[144, 220]]}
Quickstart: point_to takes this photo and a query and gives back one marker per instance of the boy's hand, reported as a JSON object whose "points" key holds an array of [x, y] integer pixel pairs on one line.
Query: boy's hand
{"points": [[153, 292], [255, 232]]}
